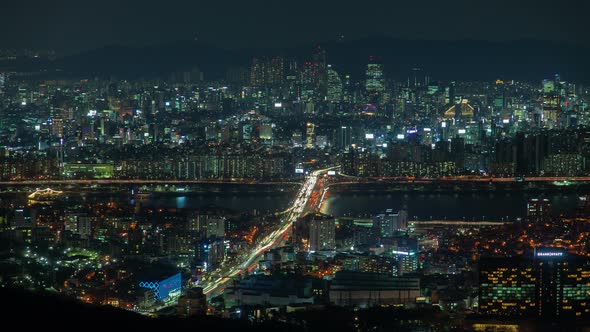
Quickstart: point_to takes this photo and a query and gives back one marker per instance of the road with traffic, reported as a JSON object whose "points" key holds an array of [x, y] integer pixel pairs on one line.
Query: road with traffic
{"points": [[272, 240]]}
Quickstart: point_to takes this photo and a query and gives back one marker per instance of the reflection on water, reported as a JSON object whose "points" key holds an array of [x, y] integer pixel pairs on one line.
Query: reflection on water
{"points": [[241, 202], [181, 202], [424, 206]]}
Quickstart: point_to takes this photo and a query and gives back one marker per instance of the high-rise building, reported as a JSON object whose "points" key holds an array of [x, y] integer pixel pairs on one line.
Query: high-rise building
{"points": [[375, 80], [334, 86], [314, 232], [551, 104], [322, 231], [391, 222], [507, 287], [257, 73], [266, 72], [320, 72], [275, 71], [210, 253], [344, 137], [551, 284]]}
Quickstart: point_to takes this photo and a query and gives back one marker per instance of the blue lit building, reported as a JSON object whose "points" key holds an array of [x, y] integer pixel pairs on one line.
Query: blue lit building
{"points": [[165, 288]]}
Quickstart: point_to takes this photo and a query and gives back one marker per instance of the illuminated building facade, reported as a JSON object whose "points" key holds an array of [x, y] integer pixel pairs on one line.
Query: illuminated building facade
{"points": [[550, 285], [96, 171], [375, 81], [315, 232], [507, 288], [322, 233], [165, 288], [390, 223], [551, 104], [334, 86]]}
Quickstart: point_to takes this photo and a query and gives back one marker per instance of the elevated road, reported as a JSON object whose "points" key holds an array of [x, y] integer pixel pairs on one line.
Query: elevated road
{"points": [[274, 239]]}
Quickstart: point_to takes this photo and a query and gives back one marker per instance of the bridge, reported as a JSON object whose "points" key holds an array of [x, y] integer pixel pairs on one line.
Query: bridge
{"points": [[341, 179]]}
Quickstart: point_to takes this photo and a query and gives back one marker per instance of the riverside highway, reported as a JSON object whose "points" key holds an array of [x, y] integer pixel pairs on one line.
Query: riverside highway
{"points": [[274, 239]]}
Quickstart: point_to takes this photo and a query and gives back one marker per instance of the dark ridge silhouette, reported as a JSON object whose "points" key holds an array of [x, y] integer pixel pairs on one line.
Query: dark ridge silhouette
{"points": [[529, 60], [65, 314]]}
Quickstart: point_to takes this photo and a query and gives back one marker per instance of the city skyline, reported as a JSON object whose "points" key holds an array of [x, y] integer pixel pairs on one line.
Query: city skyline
{"points": [[300, 167]]}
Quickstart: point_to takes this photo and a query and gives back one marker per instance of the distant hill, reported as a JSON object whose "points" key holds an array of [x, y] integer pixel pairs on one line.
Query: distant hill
{"points": [[443, 60]]}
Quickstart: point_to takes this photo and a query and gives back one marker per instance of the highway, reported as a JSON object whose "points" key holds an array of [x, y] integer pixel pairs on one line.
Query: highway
{"points": [[273, 239]]}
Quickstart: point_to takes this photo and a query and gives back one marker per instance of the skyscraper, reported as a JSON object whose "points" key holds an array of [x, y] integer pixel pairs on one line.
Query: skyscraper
{"points": [[551, 104], [551, 284], [320, 72], [375, 81], [507, 287], [334, 86]]}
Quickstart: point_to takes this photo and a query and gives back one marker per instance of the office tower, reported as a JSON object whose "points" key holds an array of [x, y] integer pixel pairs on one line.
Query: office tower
{"points": [[551, 104], [334, 86], [375, 81], [551, 284], [507, 287]]}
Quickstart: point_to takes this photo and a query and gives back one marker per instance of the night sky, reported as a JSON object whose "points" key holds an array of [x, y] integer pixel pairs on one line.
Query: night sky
{"points": [[69, 26]]}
